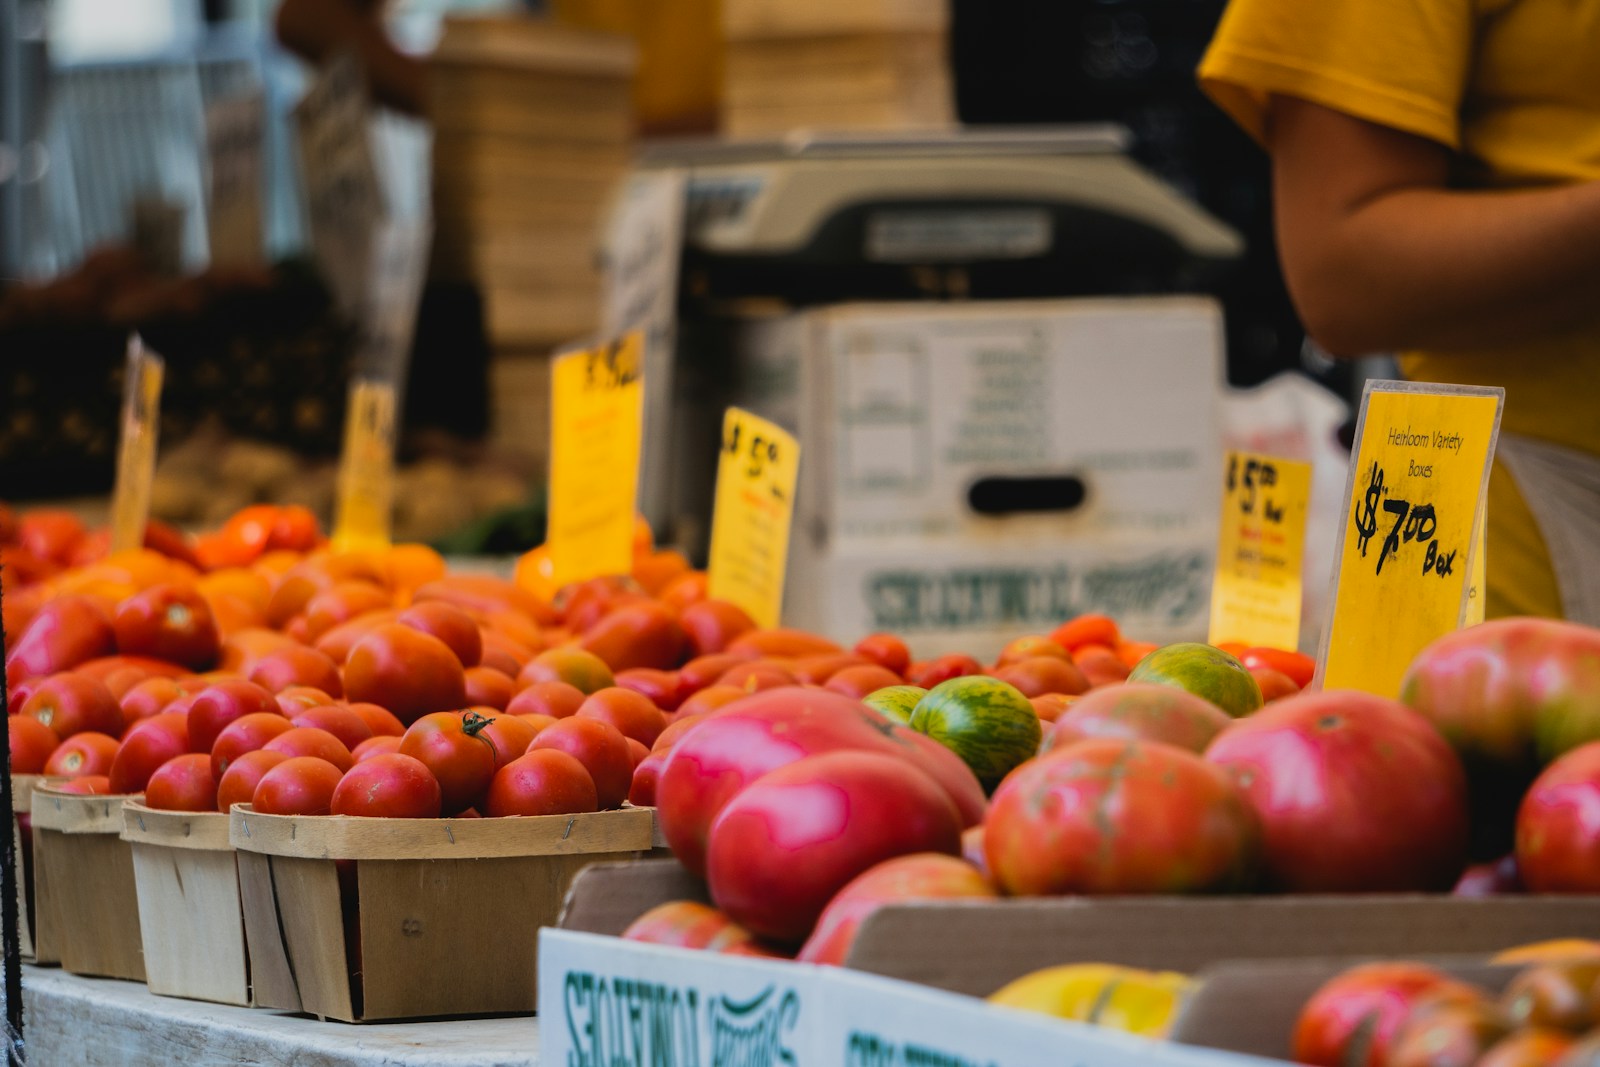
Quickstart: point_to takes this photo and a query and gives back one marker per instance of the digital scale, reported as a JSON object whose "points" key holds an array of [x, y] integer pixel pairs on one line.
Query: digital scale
{"points": [[825, 218]]}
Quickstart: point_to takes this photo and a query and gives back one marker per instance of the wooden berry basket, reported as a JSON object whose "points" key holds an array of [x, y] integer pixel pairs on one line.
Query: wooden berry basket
{"points": [[36, 944], [85, 901], [362, 919], [191, 918]]}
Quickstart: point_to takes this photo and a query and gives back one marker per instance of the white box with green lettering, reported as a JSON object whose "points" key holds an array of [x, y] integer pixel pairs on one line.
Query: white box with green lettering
{"points": [[605, 1001], [976, 471]]}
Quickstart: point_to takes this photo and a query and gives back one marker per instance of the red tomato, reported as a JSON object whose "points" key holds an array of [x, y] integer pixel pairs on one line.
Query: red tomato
{"points": [[50, 533], [816, 670], [1558, 840], [637, 753], [78, 756], [311, 741], [1051, 707], [857, 682], [148, 745], [632, 714], [1275, 685], [1113, 816], [1139, 711], [509, 734], [784, 643], [300, 785], [342, 602], [73, 703], [298, 665], [504, 655], [928, 674], [89, 785], [32, 744], [602, 750], [555, 699], [216, 706], [1366, 1004], [1031, 647], [1087, 630], [337, 642], [582, 670], [543, 782], [294, 529], [664, 689], [679, 726], [487, 687], [538, 722], [170, 622], [1039, 675], [247, 734], [347, 725], [785, 845], [922, 876], [887, 651], [375, 746], [388, 787], [449, 624], [644, 634], [298, 699], [476, 592], [148, 697], [63, 633], [380, 721], [709, 699], [1298, 666], [183, 783], [451, 745], [713, 625], [1320, 770], [745, 740], [411, 673], [703, 671], [238, 783], [758, 676], [642, 793], [688, 924]]}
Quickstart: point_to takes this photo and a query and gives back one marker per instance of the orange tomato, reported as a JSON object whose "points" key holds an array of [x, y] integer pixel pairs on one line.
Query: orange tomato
{"points": [[1087, 630]]}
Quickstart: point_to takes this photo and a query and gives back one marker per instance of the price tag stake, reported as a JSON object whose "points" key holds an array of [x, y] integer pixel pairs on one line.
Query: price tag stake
{"points": [[597, 409], [365, 507], [756, 477], [1256, 595], [1411, 551], [136, 451]]}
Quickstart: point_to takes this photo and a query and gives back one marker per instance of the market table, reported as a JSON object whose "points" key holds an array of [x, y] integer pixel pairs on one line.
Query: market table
{"points": [[96, 1022]]}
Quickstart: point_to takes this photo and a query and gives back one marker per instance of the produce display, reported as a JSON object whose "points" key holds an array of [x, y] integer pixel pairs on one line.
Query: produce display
{"points": [[809, 783], [1413, 1015]]}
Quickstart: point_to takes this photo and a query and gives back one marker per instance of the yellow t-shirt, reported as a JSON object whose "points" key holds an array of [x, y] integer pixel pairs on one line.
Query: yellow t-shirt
{"points": [[1513, 87]]}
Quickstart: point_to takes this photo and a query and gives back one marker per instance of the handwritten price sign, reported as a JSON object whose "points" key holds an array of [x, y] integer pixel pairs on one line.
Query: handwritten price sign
{"points": [[1411, 547], [1256, 593], [596, 409], [754, 508]]}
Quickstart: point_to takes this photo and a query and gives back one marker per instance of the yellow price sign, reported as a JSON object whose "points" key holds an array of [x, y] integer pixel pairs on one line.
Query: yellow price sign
{"points": [[364, 511], [1410, 558], [596, 411], [756, 479], [136, 450], [1256, 594]]}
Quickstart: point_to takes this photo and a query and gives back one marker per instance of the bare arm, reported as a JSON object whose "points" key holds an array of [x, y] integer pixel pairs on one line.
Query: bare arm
{"points": [[1380, 254]]}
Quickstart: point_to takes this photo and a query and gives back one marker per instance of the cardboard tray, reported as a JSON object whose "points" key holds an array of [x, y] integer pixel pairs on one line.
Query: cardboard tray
{"points": [[977, 947], [34, 950], [363, 919], [85, 900], [191, 917]]}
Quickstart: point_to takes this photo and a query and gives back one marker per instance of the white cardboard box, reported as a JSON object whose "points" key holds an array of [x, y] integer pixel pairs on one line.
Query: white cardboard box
{"points": [[603, 1000], [916, 417]]}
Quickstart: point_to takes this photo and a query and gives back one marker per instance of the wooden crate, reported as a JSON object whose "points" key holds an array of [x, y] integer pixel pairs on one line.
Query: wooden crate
{"points": [[36, 944], [190, 916], [85, 901], [364, 919]]}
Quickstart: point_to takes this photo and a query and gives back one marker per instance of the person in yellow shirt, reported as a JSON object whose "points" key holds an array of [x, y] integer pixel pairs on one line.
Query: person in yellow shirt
{"points": [[1436, 178]]}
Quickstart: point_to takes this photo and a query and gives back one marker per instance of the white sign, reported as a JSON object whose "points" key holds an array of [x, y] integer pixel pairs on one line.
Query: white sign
{"points": [[233, 156], [605, 1001]]}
